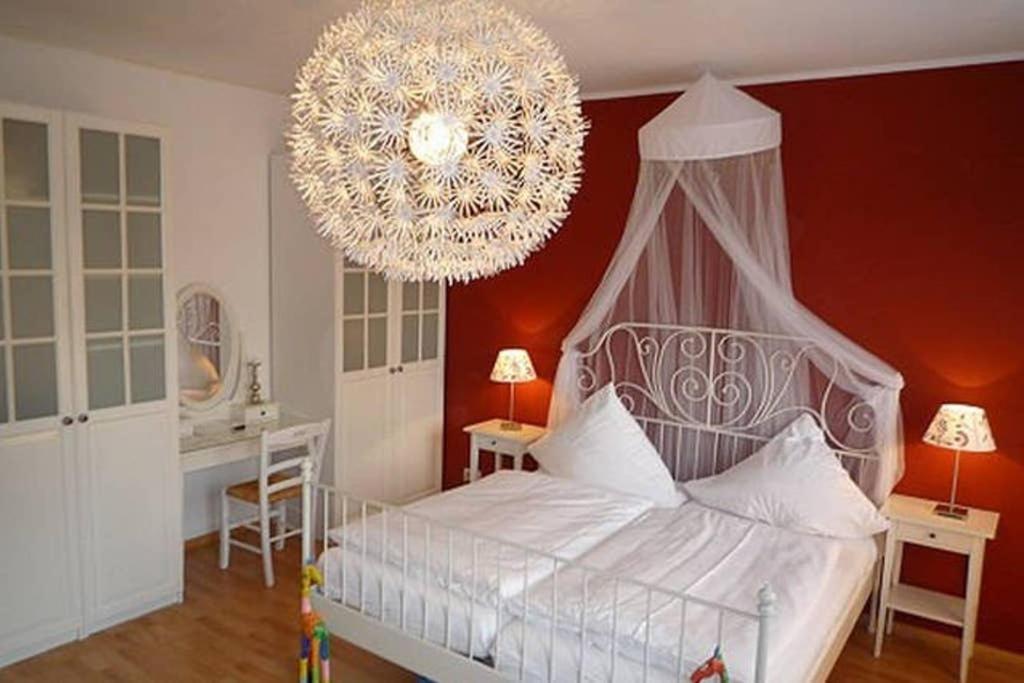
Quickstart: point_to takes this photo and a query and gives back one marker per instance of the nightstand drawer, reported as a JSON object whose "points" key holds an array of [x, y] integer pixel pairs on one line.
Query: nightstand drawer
{"points": [[490, 443], [934, 538]]}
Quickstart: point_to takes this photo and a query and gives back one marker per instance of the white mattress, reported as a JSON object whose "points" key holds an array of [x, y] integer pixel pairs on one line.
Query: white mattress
{"points": [[545, 514], [708, 555]]}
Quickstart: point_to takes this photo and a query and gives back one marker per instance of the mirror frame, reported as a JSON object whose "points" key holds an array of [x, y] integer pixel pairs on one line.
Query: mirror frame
{"points": [[232, 375]]}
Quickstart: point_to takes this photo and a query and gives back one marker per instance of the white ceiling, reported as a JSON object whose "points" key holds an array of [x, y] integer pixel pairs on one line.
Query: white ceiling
{"points": [[617, 46]]}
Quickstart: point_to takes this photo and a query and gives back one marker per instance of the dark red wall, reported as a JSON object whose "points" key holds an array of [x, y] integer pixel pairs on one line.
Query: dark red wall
{"points": [[906, 197]]}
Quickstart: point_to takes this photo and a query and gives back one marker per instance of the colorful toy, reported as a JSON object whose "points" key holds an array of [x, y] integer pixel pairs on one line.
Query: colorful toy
{"points": [[315, 641], [715, 666]]}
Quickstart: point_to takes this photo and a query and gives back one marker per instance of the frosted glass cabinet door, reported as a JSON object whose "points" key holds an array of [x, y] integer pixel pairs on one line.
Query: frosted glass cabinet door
{"points": [[26, 165], [364, 327], [119, 207], [39, 594], [124, 379], [29, 288], [421, 321]]}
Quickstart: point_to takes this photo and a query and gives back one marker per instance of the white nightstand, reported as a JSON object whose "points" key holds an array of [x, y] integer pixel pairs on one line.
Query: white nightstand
{"points": [[913, 521], [489, 436]]}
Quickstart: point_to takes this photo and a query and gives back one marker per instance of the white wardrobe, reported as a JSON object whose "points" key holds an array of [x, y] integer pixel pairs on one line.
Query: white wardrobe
{"points": [[365, 352], [91, 487]]}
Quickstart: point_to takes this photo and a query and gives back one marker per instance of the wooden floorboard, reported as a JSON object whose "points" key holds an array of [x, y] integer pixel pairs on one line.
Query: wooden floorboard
{"points": [[232, 628]]}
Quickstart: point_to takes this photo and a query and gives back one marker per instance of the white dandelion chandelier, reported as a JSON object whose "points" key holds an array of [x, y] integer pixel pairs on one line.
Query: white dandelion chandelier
{"points": [[438, 140]]}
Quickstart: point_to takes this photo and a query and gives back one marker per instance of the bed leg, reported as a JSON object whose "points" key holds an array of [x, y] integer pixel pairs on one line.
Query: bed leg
{"points": [[766, 614]]}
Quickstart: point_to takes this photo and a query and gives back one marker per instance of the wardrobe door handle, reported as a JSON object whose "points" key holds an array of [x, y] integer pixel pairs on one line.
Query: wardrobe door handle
{"points": [[401, 369], [67, 420], [83, 417]]}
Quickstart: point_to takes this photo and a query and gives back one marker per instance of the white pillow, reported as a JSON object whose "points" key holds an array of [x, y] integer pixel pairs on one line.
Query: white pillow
{"points": [[602, 445], [795, 481]]}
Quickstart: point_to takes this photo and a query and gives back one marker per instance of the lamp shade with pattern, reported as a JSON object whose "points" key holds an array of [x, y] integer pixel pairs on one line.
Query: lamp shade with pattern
{"points": [[959, 427], [512, 366]]}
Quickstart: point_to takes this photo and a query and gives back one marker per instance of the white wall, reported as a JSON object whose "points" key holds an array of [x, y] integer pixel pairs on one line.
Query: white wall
{"points": [[221, 140]]}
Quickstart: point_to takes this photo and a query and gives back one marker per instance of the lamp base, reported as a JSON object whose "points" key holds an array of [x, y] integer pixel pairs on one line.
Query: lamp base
{"points": [[951, 511], [511, 426]]}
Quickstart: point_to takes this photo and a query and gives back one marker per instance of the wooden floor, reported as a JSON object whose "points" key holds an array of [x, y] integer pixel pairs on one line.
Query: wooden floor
{"points": [[232, 628]]}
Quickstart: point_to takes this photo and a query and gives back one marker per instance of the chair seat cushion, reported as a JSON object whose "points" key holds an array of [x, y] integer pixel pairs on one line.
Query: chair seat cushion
{"points": [[249, 491]]}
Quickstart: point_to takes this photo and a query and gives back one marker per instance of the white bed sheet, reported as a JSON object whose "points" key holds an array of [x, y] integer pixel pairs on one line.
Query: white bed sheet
{"points": [[708, 555], [466, 616], [529, 510]]}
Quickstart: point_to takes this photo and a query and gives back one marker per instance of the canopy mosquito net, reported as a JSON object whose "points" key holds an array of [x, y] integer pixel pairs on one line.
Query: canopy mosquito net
{"points": [[695, 320]]}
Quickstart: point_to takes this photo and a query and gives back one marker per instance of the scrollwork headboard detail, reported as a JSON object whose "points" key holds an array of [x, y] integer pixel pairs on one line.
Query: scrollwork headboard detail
{"points": [[709, 397]]}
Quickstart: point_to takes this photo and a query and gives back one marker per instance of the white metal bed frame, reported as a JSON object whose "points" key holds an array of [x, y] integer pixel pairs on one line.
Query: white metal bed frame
{"points": [[673, 378], [680, 375]]}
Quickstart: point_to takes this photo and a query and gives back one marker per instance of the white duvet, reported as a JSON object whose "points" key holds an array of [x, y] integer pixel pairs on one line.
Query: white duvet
{"points": [[705, 554], [529, 512]]}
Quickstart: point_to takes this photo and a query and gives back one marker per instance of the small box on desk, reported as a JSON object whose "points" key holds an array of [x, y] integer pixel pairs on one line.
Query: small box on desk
{"points": [[253, 414]]}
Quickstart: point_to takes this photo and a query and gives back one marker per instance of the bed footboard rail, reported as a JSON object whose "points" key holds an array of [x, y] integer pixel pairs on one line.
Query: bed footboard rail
{"points": [[454, 604]]}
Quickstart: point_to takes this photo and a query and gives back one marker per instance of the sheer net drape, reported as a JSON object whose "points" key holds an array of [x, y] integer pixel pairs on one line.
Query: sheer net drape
{"points": [[706, 245]]}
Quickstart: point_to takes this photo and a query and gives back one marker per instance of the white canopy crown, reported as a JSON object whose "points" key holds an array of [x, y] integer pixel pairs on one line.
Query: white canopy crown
{"points": [[695, 320], [709, 121]]}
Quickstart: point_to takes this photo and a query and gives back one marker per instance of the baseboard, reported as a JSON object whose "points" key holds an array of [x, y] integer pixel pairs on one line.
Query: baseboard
{"points": [[46, 639], [203, 540], [134, 609]]}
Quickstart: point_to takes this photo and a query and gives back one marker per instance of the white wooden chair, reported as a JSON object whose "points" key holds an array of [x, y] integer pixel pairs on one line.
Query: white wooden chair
{"points": [[266, 497]]}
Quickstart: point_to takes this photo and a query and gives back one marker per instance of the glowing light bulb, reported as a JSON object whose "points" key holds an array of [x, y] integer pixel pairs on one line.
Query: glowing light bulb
{"points": [[436, 138]]}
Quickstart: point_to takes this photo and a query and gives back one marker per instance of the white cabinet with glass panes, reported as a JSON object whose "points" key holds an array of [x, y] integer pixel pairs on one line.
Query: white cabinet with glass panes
{"points": [[40, 596], [86, 426], [390, 399], [384, 369], [124, 367]]}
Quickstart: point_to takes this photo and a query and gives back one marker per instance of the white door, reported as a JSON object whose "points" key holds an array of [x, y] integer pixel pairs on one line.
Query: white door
{"points": [[363, 455], [419, 411], [390, 384], [39, 595], [125, 374]]}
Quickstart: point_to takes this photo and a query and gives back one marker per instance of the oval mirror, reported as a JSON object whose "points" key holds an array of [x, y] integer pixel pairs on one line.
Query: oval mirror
{"points": [[208, 348]]}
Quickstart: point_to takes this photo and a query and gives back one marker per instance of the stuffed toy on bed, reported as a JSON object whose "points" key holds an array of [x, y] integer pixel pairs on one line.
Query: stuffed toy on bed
{"points": [[715, 666]]}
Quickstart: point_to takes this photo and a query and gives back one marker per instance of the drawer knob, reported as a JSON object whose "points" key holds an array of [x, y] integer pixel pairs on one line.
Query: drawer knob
{"points": [[931, 534]]}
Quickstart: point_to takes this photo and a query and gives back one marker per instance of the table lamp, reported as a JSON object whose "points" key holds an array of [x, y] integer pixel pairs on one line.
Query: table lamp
{"points": [[959, 427], [512, 366]]}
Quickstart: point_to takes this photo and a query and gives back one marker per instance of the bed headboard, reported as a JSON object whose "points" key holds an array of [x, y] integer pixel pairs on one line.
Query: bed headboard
{"points": [[709, 397]]}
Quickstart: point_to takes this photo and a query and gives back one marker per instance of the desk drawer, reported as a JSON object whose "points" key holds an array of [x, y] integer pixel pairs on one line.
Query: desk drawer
{"points": [[934, 538]]}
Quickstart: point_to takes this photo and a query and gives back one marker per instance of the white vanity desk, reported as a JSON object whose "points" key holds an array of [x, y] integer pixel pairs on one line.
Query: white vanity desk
{"points": [[210, 353], [201, 451]]}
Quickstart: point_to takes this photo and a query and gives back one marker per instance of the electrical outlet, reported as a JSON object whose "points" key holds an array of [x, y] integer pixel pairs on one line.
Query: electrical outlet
{"points": [[465, 475]]}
